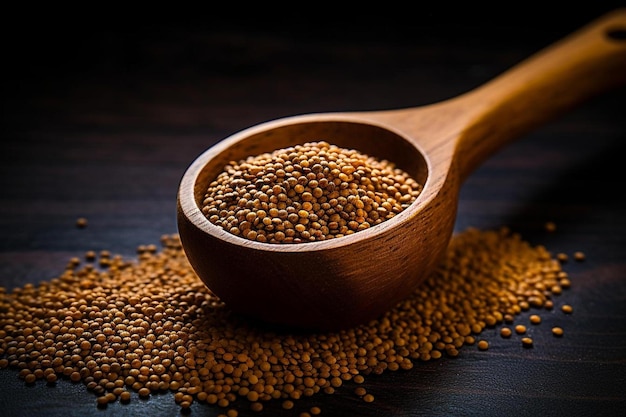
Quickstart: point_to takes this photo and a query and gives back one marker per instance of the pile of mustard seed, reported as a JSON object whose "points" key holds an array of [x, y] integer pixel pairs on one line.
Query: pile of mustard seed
{"points": [[133, 328], [309, 192]]}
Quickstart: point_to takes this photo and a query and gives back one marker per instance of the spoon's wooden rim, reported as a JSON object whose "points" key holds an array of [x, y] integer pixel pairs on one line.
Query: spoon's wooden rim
{"points": [[189, 186]]}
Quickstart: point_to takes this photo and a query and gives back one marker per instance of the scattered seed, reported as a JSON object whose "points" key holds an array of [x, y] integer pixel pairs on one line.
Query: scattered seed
{"points": [[505, 332], [527, 341], [579, 256], [567, 309], [81, 222], [150, 325], [483, 345], [550, 227], [520, 329], [557, 331], [535, 319], [144, 392], [102, 401], [256, 406], [125, 396]]}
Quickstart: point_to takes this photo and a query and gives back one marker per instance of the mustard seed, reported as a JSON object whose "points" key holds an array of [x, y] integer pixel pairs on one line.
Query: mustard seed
{"points": [[567, 309], [368, 398], [505, 332], [144, 392], [579, 256], [30, 378], [125, 396], [256, 406], [535, 319], [483, 345], [557, 331], [323, 192], [520, 329], [527, 342], [102, 401], [81, 222], [151, 325]]}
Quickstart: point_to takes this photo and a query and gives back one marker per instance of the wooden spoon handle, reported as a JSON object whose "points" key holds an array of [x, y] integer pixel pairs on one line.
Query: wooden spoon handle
{"points": [[590, 61]]}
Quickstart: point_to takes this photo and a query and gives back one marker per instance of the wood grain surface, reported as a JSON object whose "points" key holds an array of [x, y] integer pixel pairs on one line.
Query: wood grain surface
{"points": [[101, 119]]}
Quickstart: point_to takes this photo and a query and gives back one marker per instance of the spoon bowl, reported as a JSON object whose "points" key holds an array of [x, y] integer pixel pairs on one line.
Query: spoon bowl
{"points": [[336, 283]]}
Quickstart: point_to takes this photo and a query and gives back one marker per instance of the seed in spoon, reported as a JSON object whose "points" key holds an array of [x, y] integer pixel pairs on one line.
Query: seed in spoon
{"points": [[304, 193]]}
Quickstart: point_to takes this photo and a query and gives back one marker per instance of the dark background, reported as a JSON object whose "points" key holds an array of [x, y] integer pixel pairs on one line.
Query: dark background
{"points": [[103, 110]]}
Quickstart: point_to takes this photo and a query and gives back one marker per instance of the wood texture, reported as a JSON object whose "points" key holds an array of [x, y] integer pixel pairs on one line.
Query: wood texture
{"points": [[102, 121], [337, 286]]}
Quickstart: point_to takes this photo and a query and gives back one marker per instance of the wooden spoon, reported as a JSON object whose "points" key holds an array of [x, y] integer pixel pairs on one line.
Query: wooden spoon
{"points": [[349, 280]]}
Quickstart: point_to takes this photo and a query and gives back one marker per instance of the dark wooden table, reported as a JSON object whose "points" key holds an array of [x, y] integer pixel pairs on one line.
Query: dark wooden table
{"points": [[100, 120]]}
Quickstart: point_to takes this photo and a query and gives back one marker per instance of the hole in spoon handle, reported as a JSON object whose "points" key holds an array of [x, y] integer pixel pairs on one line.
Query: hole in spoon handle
{"points": [[586, 63], [617, 34]]}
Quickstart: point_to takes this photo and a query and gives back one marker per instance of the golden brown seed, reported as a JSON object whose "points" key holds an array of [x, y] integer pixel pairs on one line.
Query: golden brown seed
{"points": [[144, 392], [102, 401], [579, 256], [368, 398], [134, 325], [81, 222], [520, 329], [557, 331], [125, 396], [567, 309], [308, 192], [550, 227], [256, 406], [483, 345], [527, 341], [505, 332], [535, 319]]}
